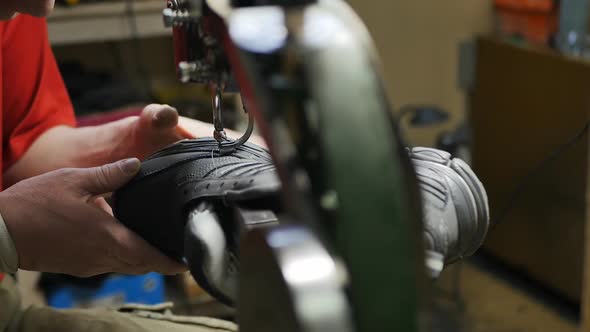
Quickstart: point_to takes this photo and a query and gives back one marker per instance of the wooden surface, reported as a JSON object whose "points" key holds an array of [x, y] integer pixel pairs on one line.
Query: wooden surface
{"points": [[525, 104]]}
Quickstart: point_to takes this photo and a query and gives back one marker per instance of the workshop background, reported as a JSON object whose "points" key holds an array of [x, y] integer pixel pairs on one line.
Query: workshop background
{"points": [[504, 84]]}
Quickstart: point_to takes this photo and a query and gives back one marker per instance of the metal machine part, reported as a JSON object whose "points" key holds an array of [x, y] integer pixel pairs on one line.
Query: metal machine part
{"points": [[219, 132], [352, 187], [307, 71], [198, 59], [226, 145], [304, 286]]}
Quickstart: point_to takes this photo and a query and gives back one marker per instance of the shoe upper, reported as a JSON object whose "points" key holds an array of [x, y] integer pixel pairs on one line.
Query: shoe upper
{"points": [[455, 204], [155, 204]]}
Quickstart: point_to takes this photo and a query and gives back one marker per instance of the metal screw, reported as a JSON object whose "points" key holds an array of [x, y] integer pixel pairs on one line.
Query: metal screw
{"points": [[175, 17], [186, 70], [172, 4], [168, 17]]}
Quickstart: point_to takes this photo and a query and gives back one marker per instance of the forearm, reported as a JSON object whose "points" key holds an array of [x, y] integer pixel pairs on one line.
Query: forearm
{"points": [[63, 146]]}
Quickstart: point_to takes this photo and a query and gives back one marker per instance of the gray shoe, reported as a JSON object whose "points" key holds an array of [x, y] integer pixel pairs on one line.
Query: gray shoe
{"points": [[455, 204]]}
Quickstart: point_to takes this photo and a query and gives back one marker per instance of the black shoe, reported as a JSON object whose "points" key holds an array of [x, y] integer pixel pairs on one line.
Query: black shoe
{"points": [[193, 203]]}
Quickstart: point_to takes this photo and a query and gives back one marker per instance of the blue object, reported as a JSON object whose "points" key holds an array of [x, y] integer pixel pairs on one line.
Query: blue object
{"points": [[423, 115], [428, 116], [116, 289]]}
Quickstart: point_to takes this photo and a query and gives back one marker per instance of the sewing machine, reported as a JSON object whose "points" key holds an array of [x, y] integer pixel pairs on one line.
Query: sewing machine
{"points": [[344, 250], [349, 259]]}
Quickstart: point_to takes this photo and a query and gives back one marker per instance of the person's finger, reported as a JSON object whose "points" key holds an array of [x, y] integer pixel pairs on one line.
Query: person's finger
{"points": [[139, 256], [110, 177], [103, 205], [159, 116]]}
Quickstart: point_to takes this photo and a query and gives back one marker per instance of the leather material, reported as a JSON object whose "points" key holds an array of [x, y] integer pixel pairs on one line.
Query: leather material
{"points": [[455, 204], [156, 203]]}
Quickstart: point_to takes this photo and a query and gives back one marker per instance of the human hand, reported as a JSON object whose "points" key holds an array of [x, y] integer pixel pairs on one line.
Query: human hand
{"points": [[158, 126], [60, 223], [155, 128]]}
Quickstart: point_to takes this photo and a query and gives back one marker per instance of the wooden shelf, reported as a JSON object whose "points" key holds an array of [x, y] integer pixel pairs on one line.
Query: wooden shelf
{"points": [[106, 21]]}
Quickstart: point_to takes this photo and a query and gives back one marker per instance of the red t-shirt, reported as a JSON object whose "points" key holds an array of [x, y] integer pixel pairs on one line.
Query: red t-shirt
{"points": [[33, 97]]}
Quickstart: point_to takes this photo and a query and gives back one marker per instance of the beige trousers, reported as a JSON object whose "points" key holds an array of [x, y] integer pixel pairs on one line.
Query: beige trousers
{"points": [[127, 318]]}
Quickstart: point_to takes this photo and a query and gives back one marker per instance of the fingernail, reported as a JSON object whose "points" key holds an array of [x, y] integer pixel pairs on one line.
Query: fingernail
{"points": [[130, 166], [166, 117]]}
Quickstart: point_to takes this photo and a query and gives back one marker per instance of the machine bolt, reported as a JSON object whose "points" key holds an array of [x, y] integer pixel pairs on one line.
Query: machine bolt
{"points": [[173, 17], [168, 16], [172, 4], [186, 71], [195, 71]]}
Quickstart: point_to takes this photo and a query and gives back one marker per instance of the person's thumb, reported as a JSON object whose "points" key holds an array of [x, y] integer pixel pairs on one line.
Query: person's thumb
{"points": [[110, 177], [159, 116]]}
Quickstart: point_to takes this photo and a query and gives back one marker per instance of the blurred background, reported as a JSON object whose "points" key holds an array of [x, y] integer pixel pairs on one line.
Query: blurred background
{"points": [[503, 84]]}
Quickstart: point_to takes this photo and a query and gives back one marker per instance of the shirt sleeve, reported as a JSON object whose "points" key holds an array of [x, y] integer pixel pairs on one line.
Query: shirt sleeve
{"points": [[34, 97]]}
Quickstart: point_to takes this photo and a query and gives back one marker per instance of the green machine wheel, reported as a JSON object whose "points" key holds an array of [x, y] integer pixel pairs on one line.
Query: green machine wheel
{"points": [[314, 88]]}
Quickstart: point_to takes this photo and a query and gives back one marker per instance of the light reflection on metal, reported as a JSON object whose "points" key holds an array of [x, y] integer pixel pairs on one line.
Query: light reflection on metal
{"points": [[309, 270], [322, 28], [258, 30], [297, 269]]}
